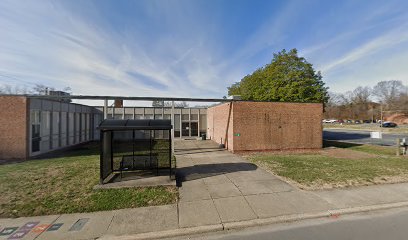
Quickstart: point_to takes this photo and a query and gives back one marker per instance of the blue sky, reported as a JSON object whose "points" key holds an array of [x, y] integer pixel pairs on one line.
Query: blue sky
{"points": [[196, 48]]}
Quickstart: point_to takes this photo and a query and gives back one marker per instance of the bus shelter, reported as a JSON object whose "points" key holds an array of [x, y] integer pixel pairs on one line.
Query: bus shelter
{"points": [[134, 147]]}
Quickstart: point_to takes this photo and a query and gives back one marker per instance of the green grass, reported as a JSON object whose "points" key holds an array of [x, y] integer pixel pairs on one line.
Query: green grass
{"points": [[64, 184], [313, 171]]}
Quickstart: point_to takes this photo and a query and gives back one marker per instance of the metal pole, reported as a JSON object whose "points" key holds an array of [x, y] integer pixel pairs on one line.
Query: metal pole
{"points": [[172, 129], [198, 123], [382, 122], [105, 109], [398, 146]]}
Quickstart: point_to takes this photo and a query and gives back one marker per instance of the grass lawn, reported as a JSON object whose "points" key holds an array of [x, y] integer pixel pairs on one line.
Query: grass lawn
{"points": [[64, 184], [320, 170]]}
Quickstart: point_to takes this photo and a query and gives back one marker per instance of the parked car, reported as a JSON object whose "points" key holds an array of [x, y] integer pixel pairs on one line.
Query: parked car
{"points": [[341, 121], [366, 121], [357, 121], [389, 124], [329, 120], [349, 121]]}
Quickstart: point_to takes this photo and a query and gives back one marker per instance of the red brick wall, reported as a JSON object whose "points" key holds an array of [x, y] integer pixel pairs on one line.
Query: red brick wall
{"points": [[217, 121], [268, 125], [13, 127], [275, 126]]}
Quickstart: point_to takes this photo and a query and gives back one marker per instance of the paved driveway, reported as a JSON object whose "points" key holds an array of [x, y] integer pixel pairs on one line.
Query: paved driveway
{"points": [[217, 186], [361, 137]]}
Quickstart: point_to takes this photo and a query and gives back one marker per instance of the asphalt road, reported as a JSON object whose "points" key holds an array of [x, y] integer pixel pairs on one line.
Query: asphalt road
{"points": [[363, 137], [387, 224]]}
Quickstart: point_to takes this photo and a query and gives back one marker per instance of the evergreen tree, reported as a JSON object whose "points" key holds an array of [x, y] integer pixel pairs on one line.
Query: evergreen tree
{"points": [[288, 78]]}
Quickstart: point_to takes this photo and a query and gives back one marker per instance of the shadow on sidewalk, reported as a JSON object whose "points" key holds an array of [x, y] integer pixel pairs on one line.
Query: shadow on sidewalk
{"points": [[208, 170]]}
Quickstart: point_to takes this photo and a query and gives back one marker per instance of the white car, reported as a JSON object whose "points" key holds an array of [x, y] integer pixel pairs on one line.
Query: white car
{"points": [[329, 120]]}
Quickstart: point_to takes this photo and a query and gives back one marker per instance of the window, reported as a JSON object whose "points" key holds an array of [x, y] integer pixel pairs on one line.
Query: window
{"points": [[45, 130], [194, 117], [35, 130], [185, 117]]}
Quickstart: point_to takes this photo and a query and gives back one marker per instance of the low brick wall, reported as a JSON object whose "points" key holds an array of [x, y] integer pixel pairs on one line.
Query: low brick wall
{"points": [[14, 127], [259, 126]]}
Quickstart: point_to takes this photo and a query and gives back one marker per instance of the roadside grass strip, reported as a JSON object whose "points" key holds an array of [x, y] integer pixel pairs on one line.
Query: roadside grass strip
{"points": [[320, 171], [64, 184]]}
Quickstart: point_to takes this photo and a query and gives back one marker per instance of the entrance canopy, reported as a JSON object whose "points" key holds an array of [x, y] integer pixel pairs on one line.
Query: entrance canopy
{"points": [[139, 146]]}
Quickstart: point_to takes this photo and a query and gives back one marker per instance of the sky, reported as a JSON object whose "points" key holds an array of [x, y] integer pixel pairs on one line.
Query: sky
{"points": [[196, 48]]}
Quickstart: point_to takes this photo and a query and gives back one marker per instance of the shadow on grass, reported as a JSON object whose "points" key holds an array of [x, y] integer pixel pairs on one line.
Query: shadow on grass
{"points": [[80, 150], [330, 143]]}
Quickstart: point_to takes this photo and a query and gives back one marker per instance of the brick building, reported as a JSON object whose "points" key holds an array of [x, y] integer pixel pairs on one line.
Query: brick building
{"points": [[258, 126], [30, 126], [33, 126]]}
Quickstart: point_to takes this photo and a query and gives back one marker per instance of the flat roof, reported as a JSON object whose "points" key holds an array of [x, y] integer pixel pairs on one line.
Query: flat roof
{"points": [[176, 99]]}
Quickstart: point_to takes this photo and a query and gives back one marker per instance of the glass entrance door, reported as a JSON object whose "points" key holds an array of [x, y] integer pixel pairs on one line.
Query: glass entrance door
{"points": [[194, 129], [185, 129]]}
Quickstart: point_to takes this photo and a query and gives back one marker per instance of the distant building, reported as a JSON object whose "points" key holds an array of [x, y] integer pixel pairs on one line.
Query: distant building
{"points": [[59, 93]]}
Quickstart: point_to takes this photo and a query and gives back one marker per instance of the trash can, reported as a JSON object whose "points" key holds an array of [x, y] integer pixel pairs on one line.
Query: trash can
{"points": [[203, 136]]}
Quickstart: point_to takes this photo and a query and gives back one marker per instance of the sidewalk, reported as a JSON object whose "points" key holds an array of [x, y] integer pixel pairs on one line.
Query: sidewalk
{"points": [[218, 190]]}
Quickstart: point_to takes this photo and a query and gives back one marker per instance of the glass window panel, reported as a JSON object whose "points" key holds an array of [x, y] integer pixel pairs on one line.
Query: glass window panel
{"points": [[177, 121], [203, 122], [128, 116], [118, 116], [45, 123]]}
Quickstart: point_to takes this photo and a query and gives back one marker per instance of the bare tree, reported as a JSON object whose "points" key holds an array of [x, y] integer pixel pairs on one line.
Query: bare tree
{"points": [[8, 89], [388, 92], [176, 104], [361, 95], [42, 89], [351, 104], [158, 103]]}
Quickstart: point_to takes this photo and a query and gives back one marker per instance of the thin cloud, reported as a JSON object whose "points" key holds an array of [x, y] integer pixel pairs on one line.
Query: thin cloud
{"points": [[390, 39]]}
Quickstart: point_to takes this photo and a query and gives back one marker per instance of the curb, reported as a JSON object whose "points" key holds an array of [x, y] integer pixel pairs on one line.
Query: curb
{"points": [[254, 222], [377, 207], [168, 233]]}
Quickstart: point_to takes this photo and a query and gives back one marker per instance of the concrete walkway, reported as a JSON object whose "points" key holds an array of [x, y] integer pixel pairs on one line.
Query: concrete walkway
{"points": [[218, 190], [219, 187]]}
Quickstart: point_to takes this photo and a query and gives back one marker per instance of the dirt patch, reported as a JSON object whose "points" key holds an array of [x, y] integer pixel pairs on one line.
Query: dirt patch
{"points": [[346, 153]]}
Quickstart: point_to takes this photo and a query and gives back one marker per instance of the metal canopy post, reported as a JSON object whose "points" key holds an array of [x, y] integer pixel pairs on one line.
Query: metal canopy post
{"points": [[172, 129], [105, 109], [101, 158], [170, 153]]}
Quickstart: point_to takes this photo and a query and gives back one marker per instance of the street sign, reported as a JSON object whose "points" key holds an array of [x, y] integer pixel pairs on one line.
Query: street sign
{"points": [[376, 135]]}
